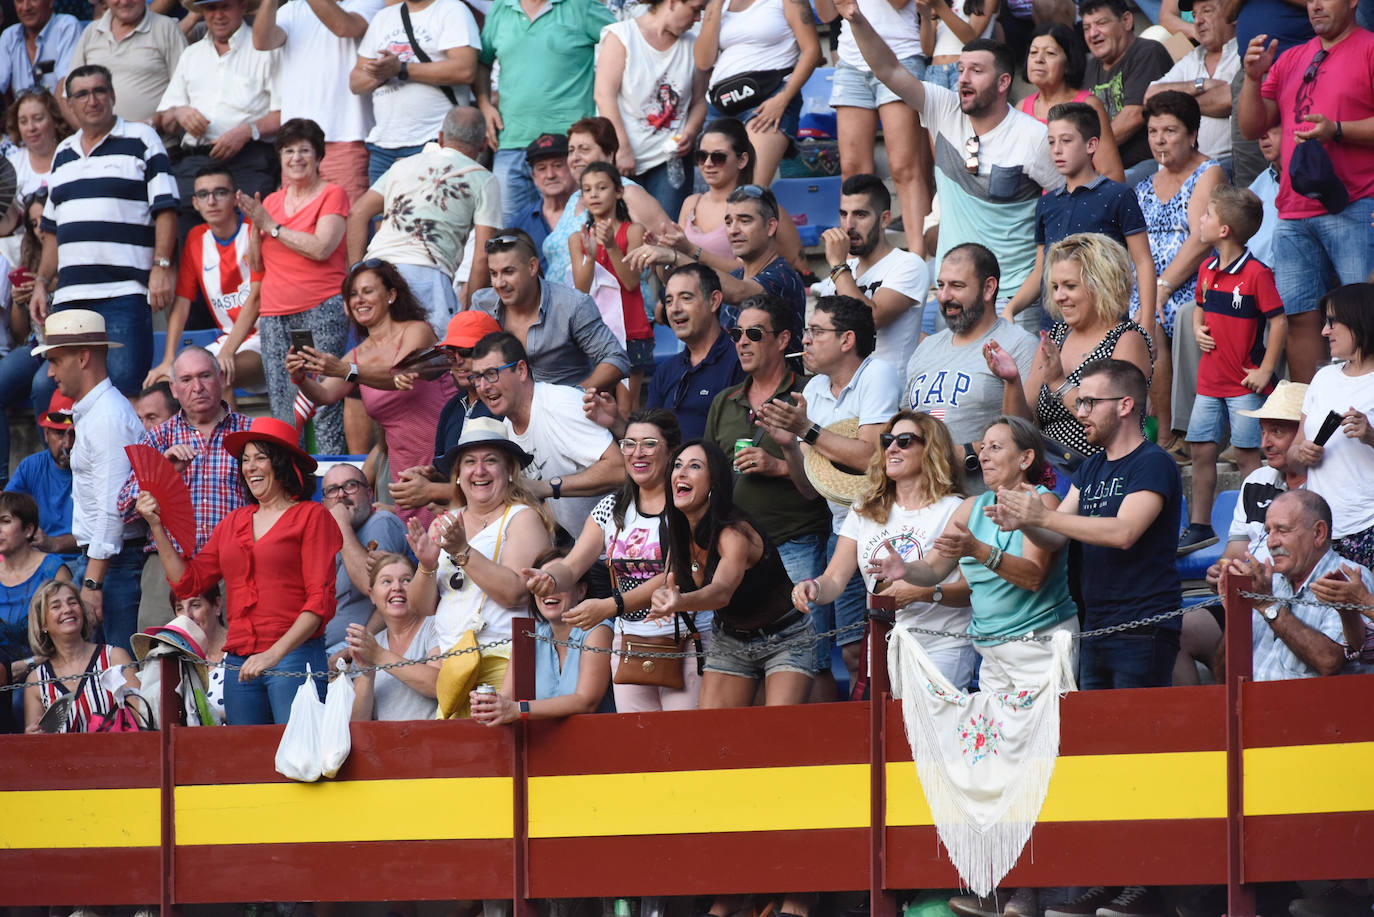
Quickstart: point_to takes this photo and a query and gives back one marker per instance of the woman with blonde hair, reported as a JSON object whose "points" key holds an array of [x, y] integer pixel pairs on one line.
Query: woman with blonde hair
{"points": [[60, 630], [406, 693], [471, 557], [1088, 286], [912, 494]]}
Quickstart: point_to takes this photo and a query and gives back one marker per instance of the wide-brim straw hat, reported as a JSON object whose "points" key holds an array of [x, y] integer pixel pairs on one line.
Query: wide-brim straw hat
{"points": [[272, 430], [837, 483], [182, 635], [74, 328], [1283, 403], [483, 431]]}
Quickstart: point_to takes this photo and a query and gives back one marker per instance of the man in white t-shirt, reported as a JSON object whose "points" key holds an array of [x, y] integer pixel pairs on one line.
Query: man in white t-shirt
{"points": [[992, 162], [433, 205], [1206, 73], [413, 84], [948, 376], [865, 265], [575, 461], [319, 42]]}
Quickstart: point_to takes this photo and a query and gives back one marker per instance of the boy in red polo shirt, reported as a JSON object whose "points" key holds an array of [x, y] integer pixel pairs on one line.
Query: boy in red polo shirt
{"points": [[1236, 300]]}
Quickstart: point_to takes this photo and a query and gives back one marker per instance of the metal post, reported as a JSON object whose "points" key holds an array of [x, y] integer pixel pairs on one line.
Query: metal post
{"points": [[169, 716], [522, 662], [1240, 897], [882, 615]]}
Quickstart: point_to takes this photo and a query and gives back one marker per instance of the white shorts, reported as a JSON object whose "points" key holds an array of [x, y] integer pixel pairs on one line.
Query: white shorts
{"points": [[252, 345]]}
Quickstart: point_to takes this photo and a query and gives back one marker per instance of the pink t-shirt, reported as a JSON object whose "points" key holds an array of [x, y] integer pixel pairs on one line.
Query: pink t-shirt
{"points": [[291, 282], [1343, 90]]}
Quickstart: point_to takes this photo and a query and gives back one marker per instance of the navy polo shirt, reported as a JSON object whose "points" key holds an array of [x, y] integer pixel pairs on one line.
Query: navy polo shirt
{"points": [[1102, 205], [688, 390]]}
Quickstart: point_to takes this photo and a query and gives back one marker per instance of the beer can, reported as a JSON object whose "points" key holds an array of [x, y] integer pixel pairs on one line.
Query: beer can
{"points": [[485, 689], [742, 444]]}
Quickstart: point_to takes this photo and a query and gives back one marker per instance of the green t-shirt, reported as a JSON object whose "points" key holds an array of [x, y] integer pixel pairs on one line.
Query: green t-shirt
{"points": [[546, 78], [774, 503]]}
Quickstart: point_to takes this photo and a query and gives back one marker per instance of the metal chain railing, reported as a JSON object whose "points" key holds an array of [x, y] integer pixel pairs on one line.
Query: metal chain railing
{"points": [[809, 639]]}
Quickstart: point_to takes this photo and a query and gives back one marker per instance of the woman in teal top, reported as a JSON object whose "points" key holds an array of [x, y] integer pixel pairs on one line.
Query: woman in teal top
{"points": [[1017, 587]]}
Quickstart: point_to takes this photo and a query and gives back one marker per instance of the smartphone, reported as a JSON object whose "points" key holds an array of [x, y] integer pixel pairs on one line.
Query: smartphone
{"points": [[1329, 426], [299, 339], [20, 276]]}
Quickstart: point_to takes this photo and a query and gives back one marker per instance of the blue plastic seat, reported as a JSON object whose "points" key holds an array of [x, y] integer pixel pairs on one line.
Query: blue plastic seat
{"points": [[1194, 566], [813, 203], [817, 117]]}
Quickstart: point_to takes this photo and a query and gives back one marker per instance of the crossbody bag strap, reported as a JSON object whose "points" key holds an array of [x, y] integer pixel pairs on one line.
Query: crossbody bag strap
{"points": [[420, 54]]}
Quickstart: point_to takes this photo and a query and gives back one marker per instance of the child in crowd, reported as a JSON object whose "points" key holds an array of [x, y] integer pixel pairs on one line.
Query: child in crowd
{"points": [[608, 235], [1266, 188], [1088, 202], [1236, 301]]}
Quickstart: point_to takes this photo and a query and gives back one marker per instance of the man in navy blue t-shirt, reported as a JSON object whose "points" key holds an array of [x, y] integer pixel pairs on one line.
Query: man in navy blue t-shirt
{"points": [[1124, 508]]}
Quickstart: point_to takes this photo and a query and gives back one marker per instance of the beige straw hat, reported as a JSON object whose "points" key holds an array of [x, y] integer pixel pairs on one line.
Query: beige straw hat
{"points": [[1284, 403], [837, 483]]}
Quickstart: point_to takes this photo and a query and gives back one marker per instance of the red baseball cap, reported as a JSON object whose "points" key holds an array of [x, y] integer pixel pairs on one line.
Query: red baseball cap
{"points": [[59, 413], [468, 327]]}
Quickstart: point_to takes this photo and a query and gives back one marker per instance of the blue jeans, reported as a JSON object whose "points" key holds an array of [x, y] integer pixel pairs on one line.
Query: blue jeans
{"points": [[1321, 253], [380, 158], [1139, 659], [850, 607], [129, 321], [121, 594], [670, 198], [434, 291], [946, 75], [17, 369], [267, 698], [804, 558], [518, 194]]}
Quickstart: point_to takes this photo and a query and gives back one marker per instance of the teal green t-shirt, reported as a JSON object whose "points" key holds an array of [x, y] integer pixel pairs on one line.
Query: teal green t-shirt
{"points": [[998, 606], [546, 77]]}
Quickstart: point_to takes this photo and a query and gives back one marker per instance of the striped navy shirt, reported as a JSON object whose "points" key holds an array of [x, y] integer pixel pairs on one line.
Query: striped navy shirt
{"points": [[102, 206]]}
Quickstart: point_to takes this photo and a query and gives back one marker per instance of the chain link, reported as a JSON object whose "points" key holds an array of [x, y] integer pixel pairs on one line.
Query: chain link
{"points": [[1291, 600], [810, 639]]}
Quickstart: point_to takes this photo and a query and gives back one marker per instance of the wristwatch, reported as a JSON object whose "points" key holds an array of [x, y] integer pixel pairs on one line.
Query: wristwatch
{"points": [[1270, 612], [404, 75], [1198, 85], [352, 373], [461, 558], [937, 595], [276, 231], [556, 485], [162, 262], [811, 435], [524, 709], [92, 585], [971, 463]]}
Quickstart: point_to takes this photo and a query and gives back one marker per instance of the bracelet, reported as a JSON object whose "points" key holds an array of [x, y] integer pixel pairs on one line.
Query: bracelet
{"points": [[619, 599], [1063, 390], [425, 571], [837, 270], [994, 559], [1165, 284], [696, 255], [1339, 132]]}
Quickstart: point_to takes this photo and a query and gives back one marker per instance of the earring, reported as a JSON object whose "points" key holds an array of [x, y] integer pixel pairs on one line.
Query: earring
{"points": [[1024, 467], [510, 479]]}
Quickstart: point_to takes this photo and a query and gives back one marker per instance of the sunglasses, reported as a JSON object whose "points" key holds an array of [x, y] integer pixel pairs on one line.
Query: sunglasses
{"points": [[903, 440], [371, 264], [754, 333], [1313, 67], [717, 157], [753, 191], [500, 243], [971, 147]]}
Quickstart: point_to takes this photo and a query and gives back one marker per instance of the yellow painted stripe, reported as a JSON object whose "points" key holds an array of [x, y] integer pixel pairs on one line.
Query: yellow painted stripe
{"points": [[80, 818], [361, 810], [696, 802], [1309, 778], [1098, 788]]}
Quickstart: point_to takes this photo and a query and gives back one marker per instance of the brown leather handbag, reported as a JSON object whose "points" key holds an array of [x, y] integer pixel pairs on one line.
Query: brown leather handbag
{"points": [[635, 667]]}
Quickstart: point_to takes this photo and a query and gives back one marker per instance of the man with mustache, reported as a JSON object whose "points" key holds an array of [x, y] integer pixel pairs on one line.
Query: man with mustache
{"points": [[1300, 636], [865, 265]]}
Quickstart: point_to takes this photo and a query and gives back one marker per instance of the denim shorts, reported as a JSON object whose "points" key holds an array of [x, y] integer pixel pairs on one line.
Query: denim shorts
{"points": [[1321, 253], [641, 355], [788, 124], [857, 88], [789, 650], [1213, 416], [946, 75]]}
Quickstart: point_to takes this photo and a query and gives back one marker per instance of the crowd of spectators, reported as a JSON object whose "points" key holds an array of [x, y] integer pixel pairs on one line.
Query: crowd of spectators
{"points": [[442, 234]]}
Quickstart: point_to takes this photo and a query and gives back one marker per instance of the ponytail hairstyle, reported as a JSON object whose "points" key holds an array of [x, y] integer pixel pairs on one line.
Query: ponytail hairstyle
{"points": [[622, 212]]}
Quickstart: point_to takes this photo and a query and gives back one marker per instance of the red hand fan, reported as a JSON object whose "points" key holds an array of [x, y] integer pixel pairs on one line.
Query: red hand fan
{"points": [[156, 475]]}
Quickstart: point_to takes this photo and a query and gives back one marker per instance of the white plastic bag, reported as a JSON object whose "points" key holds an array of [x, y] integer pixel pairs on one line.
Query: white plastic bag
{"points": [[338, 710], [298, 755]]}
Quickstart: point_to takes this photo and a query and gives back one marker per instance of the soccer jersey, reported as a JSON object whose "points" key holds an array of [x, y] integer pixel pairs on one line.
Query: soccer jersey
{"points": [[219, 267]]}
